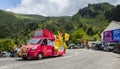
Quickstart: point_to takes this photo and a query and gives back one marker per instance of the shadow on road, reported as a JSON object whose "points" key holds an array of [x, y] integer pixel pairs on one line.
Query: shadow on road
{"points": [[25, 60], [30, 59], [118, 57]]}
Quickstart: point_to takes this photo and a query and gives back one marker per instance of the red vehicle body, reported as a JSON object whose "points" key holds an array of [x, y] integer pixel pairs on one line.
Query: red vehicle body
{"points": [[41, 45]]}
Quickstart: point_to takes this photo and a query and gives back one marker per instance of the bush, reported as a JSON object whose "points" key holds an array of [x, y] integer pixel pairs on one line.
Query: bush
{"points": [[6, 45]]}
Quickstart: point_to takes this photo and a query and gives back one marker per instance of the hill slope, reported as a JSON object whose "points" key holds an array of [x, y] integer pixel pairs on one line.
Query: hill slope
{"points": [[14, 27], [92, 19], [88, 23]]}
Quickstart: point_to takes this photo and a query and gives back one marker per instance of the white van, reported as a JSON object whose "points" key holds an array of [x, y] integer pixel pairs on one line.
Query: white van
{"points": [[109, 46]]}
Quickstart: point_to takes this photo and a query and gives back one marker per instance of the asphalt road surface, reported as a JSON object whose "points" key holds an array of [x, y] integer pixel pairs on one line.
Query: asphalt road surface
{"points": [[74, 59]]}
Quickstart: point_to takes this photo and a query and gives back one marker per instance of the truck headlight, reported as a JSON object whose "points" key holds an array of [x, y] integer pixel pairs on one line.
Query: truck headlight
{"points": [[34, 48]]}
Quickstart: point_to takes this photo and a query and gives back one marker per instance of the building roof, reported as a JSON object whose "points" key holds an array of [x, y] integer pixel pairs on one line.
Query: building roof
{"points": [[112, 26]]}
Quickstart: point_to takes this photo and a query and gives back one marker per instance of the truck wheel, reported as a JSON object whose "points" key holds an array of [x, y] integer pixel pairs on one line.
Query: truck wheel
{"points": [[40, 56], [61, 55], [24, 58]]}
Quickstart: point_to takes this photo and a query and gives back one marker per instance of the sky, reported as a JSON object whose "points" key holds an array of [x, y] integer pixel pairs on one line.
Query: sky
{"points": [[49, 7], [5, 4]]}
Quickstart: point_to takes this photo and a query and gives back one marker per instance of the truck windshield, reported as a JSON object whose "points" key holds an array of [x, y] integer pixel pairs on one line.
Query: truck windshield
{"points": [[38, 33], [34, 41]]}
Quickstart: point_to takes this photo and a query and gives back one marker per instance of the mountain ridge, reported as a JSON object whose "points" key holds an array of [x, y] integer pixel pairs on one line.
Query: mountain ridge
{"points": [[90, 20]]}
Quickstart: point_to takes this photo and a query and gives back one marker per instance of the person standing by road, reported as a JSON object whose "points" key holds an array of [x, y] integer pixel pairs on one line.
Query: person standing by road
{"points": [[85, 43]]}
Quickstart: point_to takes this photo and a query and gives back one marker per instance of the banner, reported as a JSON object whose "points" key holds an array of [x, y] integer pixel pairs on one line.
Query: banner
{"points": [[116, 35], [108, 36], [67, 37]]}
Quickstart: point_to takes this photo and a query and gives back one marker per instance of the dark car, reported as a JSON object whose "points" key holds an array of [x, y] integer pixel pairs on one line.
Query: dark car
{"points": [[101, 46], [116, 48], [98, 46]]}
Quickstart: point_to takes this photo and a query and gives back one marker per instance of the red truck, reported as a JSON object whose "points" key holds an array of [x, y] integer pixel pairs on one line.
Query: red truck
{"points": [[42, 45]]}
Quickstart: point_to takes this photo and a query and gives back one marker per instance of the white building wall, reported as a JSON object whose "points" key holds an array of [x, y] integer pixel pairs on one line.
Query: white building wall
{"points": [[112, 26]]}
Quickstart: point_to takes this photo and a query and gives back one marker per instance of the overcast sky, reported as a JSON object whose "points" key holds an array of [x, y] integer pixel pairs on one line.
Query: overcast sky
{"points": [[50, 7]]}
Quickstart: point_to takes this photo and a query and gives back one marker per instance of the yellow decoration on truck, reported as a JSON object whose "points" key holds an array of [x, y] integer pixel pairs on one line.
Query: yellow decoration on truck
{"points": [[67, 37], [59, 43]]}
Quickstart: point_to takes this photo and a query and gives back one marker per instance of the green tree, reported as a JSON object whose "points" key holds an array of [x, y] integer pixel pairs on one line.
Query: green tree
{"points": [[6, 45], [78, 35]]}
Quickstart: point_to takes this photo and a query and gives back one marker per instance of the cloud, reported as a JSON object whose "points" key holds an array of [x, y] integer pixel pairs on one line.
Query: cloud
{"points": [[54, 7]]}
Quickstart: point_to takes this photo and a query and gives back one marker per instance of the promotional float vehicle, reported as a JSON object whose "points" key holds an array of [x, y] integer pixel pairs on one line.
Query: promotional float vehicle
{"points": [[43, 44]]}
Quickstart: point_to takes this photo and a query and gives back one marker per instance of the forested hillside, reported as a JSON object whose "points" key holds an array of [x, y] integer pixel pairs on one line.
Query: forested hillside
{"points": [[13, 27], [87, 23], [92, 19]]}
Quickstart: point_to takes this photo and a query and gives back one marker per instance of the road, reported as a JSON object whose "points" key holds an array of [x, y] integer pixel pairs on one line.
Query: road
{"points": [[74, 59]]}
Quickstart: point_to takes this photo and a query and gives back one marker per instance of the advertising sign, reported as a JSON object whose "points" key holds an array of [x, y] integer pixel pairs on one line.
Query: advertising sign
{"points": [[116, 35], [108, 36]]}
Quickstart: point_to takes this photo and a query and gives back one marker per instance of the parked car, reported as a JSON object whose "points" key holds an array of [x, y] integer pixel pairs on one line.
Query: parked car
{"points": [[81, 46], [95, 46], [4, 54], [73, 46], [116, 48], [108, 47], [98, 46], [101, 46]]}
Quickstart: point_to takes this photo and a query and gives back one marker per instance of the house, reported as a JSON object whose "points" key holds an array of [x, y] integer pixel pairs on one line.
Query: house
{"points": [[112, 26]]}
